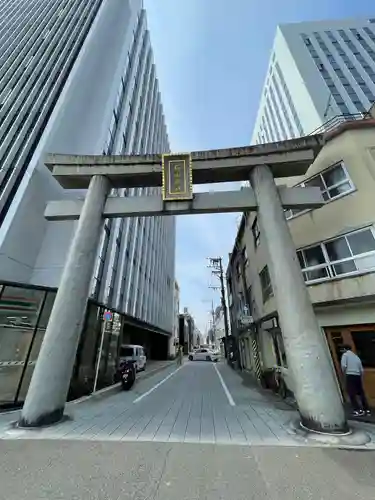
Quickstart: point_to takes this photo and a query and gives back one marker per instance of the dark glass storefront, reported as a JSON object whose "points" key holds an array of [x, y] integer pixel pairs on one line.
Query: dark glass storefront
{"points": [[24, 314], [99, 337]]}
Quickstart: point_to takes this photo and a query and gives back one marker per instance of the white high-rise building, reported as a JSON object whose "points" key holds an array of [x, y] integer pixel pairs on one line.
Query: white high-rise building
{"points": [[78, 77], [317, 70]]}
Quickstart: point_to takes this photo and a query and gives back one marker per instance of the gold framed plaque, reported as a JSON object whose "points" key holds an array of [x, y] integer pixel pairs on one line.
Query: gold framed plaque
{"points": [[177, 177]]}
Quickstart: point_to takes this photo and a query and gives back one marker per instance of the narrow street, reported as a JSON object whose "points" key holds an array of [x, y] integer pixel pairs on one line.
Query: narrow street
{"points": [[191, 433], [198, 403]]}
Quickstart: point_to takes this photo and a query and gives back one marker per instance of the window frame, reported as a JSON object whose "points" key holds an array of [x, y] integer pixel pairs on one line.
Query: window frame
{"points": [[294, 214], [267, 291], [255, 232], [329, 264]]}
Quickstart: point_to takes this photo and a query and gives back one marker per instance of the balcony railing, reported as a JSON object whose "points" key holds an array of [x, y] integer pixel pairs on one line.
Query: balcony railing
{"points": [[337, 120]]}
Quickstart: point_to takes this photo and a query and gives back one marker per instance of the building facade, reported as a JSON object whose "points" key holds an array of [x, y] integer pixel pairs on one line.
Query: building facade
{"points": [[188, 332], [174, 340], [317, 70], [320, 75], [336, 250], [79, 78], [217, 329]]}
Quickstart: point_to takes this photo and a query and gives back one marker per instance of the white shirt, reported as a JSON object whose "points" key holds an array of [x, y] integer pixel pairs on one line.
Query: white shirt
{"points": [[351, 364]]}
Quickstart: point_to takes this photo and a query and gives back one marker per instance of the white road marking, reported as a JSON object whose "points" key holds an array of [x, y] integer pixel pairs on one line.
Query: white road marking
{"points": [[139, 398], [225, 388]]}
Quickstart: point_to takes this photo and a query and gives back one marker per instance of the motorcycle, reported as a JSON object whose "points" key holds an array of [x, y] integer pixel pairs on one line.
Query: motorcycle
{"points": [[127, 374]]}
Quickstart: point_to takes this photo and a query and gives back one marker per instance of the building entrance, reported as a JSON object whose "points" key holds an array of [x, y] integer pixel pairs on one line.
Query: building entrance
{"points": [[362, 340], [320, 409]]}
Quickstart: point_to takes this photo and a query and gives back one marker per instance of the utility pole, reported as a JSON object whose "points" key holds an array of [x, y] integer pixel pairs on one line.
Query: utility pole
{"points": [[213, 323], [216, 266]]}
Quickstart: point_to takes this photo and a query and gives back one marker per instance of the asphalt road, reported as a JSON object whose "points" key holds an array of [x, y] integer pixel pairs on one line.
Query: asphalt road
{"points": [[36, 470]]}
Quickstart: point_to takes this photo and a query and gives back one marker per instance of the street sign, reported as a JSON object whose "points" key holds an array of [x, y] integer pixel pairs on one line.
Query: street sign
{"points": [[107, 316], [246, 320], [177, 177]]}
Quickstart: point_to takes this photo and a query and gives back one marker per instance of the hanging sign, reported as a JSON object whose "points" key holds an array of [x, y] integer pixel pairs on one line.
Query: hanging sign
{"points": [[177, 177]]}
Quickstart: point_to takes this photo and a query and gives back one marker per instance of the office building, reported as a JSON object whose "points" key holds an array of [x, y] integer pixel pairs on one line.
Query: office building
{"points": [[77, 78], [320, 79], [317, 71], [175, 339]]}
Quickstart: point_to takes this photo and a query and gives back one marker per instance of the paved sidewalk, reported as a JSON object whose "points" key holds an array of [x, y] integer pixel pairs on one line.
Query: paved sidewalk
{"points": [[190, 406], [198, 403], [92, 400]]}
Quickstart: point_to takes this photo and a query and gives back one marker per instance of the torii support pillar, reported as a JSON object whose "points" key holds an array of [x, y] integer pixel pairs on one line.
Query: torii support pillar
{"points": [[46, 397], [316, 391]]}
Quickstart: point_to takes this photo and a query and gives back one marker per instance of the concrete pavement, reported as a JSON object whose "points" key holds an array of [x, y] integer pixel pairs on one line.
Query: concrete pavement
{"points": [[164, 441], [199, 403], [38, 470]]}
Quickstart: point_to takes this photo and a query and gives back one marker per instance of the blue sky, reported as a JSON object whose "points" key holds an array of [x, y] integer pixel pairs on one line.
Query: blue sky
{"points": [[211, 58]]}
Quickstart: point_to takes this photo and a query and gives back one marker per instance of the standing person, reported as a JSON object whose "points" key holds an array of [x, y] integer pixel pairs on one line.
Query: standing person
{"points": [[352, 369]]}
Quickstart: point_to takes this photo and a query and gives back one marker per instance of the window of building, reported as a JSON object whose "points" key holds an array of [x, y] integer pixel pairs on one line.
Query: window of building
{"points": [[349, 254], [238, 269], [364, 341], [256, 232], [266, 285], [250, 300], [290, 100], [229, 292], [278, 112], [244, 255], [333, 183]]}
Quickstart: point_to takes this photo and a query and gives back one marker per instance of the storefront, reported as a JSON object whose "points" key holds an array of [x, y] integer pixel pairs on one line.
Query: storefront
{"points": [[362, 340], [24, 315]]}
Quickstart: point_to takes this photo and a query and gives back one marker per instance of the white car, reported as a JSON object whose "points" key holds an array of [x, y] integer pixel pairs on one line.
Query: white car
{"points": [[203, 355], [135, 353]]}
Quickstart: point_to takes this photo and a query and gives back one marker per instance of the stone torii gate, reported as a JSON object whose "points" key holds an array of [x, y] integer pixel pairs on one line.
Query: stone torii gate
{"points": [[316, 392]]}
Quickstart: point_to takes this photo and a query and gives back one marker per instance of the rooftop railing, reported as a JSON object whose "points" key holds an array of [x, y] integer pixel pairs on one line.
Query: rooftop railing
{"points": [[337, 120]]}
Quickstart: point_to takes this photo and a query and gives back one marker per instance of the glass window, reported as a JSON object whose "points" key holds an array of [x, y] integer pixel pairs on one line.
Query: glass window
{"points": [[334, 176], [362, 245], [88, 348], [315, 182], [47, 309], [281, 350], [19, 313], [266, 285], [336, 181], [256, 232], [353, 252], [364, 341], [126, 351], [314, 256], [37, 343], [333, 183], [313, 259], [338, 249], [361, 242], [105, 376]]}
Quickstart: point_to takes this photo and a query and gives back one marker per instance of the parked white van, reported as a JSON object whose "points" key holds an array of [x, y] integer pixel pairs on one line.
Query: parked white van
{"points": [[135, 353]]}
